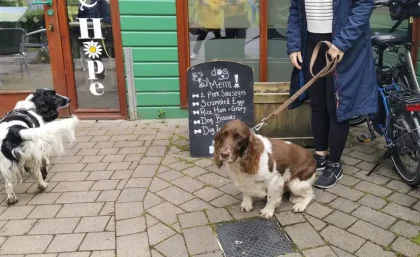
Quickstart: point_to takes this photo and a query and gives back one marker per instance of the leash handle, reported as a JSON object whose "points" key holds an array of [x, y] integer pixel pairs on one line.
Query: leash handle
{"points": [[330, 66]]}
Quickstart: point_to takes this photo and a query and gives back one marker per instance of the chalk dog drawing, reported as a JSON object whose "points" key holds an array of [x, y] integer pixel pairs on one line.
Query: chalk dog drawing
{"points": [[221, 74], [196, 76], [197, 122], [197, 131], [211, 147]]}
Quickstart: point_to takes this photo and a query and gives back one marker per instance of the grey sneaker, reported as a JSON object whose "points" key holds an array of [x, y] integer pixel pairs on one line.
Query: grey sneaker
{"points": [[329, 177]]}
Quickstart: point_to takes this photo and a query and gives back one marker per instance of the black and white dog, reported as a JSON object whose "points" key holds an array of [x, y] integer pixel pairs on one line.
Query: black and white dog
{"points": [[29, 136]]}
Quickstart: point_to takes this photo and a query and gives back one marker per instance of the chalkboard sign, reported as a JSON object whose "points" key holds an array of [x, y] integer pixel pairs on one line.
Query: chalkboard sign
{"points": [[218, 92]]}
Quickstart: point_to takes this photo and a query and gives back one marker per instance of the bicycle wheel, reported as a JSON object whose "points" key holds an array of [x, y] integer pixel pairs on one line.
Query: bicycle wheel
{"points": [[357, 120], [406, 150]]}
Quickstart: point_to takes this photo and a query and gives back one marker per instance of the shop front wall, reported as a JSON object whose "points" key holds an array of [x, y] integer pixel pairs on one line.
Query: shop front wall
{"points": [[149, 28]]}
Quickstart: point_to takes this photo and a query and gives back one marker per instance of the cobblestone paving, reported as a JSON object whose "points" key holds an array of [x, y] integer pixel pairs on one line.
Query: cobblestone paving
{"points": [[130, 189]]}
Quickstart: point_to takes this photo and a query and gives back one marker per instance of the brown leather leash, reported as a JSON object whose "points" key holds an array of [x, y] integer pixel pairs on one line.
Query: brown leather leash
{"points": [[329, 68]]}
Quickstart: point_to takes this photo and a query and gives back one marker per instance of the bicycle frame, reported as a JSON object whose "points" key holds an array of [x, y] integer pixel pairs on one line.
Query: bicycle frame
{"points": [[382, 129], [407, 59]]}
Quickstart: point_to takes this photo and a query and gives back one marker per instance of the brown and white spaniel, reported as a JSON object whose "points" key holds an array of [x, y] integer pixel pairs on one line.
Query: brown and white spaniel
{"points": [[262, 167]]}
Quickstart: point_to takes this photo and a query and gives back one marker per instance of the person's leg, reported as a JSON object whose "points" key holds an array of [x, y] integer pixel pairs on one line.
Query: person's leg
{"points": [[217, 34], [317, 95], [241, 37], [337, 141], [339, 131], [199, 41]]}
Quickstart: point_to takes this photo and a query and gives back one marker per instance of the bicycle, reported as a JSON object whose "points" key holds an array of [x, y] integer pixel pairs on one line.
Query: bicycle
{"points": [[398, 116], [404, 59]]}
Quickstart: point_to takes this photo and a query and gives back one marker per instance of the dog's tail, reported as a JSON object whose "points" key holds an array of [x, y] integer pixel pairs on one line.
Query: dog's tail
{"points": [[47, 141]]}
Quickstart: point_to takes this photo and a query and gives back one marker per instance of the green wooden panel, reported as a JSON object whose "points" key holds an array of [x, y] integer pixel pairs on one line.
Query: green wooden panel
{"points": [[152, 39], [418, 63], [158, 99], [147, 7], [149, 113], [157, 84], [155, 54], [156, 69], [149, 23]]}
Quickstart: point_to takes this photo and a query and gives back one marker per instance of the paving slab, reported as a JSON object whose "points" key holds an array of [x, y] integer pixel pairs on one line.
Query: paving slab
{"points": [[130, 188]]}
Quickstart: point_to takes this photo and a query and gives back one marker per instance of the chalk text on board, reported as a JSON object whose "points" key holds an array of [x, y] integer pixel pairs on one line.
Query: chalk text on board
{"points": [[218, 92]]}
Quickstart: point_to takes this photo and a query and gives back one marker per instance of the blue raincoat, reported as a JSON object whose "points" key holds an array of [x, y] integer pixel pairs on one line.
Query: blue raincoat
{"points": [[355, 76]]}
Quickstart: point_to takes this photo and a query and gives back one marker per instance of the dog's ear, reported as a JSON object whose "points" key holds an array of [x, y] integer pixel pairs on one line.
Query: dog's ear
{"points": [[218, 141], [253, 151]]}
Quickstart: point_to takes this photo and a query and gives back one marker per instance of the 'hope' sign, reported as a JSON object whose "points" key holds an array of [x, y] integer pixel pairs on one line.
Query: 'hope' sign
{"points": [[92, 50]]}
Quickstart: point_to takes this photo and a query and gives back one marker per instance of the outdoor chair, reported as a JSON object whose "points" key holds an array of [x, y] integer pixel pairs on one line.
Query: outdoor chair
{"points": [[11, 46], [43, 43]]}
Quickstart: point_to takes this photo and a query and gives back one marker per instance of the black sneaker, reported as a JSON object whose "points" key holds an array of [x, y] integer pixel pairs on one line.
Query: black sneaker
{"points": [[329, 177], [321, 162]]}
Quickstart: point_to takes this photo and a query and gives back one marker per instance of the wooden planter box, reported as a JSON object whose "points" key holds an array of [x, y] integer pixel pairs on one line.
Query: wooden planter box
{"points": [[292, 125]]}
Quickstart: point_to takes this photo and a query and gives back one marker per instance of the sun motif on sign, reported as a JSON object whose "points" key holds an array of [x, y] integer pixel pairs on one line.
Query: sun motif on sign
{"points": [[92, 49]]}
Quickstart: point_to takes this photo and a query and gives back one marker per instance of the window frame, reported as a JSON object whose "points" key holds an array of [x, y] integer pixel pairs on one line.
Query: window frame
{"points": [[182, 21]]}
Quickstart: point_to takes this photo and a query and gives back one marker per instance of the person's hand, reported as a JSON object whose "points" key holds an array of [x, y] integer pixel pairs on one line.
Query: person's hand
{"points": [[296, 57], [334, 52]]}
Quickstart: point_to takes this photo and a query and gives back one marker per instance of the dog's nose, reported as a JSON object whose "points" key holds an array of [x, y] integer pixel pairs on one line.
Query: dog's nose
{"points": [[224, 155]]}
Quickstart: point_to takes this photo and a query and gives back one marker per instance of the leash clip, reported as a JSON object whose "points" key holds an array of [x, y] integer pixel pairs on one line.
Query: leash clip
{"points": [[259, 126]]}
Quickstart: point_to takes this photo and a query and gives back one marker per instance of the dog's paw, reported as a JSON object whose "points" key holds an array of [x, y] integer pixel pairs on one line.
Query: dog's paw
{"points": [[299, 207], [12, 200], [294, 199], [267, 213], [246, 206], [43, 186]]}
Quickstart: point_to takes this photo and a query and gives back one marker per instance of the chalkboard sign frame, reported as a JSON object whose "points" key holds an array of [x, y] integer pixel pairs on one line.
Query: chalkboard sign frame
{"points": [[214, 87]]}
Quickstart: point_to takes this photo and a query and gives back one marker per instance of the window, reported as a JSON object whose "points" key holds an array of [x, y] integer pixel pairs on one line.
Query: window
{"points": [[279, 66], [252, 32], [225, 30]]}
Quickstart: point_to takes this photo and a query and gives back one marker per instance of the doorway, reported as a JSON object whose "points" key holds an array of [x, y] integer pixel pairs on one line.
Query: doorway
{"points": [[73, 46]]}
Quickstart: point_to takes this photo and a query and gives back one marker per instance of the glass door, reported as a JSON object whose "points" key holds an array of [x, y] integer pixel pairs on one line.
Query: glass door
{"points": [[31, 54], [94, 60]]}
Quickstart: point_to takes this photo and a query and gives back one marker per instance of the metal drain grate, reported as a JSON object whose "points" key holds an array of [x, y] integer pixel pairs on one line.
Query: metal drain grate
{"points": [[253, 238]]}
